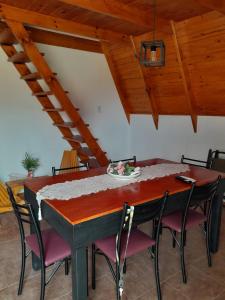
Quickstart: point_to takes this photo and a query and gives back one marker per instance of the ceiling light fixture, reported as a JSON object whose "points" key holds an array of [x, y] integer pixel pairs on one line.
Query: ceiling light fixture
{"points": [[152, 53]]}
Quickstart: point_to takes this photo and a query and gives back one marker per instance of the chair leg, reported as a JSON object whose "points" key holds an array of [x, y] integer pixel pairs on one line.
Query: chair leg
{"points": [[23, 264], [42, 296], [208, 245], [174, 241], [67, 266], [93, 273], [117, 282], [156, 271], [185, 237], [183, 268], [125, 267]]}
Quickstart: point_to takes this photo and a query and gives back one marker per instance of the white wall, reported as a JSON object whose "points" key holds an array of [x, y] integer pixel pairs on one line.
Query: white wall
{"points": [[175, 136], [24, 127]]}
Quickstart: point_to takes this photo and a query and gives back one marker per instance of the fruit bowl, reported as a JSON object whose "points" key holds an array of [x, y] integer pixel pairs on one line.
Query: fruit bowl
{"points": [[123, 171]]}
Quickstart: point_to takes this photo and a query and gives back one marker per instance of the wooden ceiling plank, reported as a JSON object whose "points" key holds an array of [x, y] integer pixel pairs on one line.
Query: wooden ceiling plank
{"points": [[116, 78], [218, 5], [185, 79], [149, 91], [58, 24]]}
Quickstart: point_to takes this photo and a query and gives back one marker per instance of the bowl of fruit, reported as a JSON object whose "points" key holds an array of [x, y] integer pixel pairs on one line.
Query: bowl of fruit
{"points": [[123, 170]]}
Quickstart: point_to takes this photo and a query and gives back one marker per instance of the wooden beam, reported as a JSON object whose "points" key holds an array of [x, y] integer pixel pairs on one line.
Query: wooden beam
{"points": [[218, 5], [121, 11], [115, 9], [185, 78], [116, 78], [149, 91], [58, 24], [61, 40]]}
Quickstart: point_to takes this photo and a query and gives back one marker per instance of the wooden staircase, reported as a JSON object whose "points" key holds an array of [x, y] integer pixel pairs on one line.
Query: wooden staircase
{"points": [[83, 142]]}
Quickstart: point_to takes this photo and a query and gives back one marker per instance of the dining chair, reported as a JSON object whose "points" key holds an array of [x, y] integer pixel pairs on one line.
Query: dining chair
{"points": [[56, 171], [218, 161], [197, 162], [47, 245], [132, 159], [129, 241], [197, 211]]}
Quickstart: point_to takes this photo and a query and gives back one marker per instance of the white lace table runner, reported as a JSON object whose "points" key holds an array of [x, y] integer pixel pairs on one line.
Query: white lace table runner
{"points": [[76, 188]]}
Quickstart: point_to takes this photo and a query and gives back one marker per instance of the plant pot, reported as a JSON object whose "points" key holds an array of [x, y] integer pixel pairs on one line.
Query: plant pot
{"points": [[30, 174]]}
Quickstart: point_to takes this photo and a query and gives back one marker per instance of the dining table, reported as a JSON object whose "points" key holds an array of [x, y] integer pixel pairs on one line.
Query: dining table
{"points": [[84, 219]]}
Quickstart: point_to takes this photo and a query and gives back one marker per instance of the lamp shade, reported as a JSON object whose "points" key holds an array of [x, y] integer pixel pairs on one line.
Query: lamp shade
{"points": [[152, 53]]}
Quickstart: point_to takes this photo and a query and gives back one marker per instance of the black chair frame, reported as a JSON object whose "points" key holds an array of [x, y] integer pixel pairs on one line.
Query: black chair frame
{"points": [[142, 213], [25, 214], [199, 197], [132, 159], [76, 168], [212, 155]]}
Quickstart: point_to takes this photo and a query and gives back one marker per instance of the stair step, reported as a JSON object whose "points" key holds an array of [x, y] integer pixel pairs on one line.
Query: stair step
{"points": [[92, 162], [75, 138], [65, 124], [7, 38], [86, 151], [52, 109], [45, 93], [31, 76], [19, 58], [42, 94]]}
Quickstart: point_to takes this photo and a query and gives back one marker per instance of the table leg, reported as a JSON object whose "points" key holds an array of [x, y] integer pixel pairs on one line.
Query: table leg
{"points": [[79, 278]]}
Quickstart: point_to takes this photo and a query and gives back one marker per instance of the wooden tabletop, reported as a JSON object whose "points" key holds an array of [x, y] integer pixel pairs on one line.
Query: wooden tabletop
{"points": [[87, 207]]}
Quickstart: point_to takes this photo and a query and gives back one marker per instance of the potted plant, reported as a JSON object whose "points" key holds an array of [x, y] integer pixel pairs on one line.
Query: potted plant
{"points": [[30, 164]]}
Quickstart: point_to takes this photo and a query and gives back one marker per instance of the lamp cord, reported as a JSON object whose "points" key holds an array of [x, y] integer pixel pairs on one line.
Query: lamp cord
{"points": [[154, 19]]}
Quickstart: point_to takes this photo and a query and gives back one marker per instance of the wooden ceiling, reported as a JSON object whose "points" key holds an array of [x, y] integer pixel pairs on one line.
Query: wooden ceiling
{"points": [[126, 16], [193, 31]]}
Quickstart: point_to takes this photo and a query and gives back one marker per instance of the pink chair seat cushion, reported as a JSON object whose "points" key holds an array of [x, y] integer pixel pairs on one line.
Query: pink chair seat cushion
{"points": [[55, 248], [174, 220], [138, 242]]}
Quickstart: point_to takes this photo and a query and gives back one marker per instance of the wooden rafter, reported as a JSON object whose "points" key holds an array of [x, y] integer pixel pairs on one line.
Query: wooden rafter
{"points": [[59, 24], [218, 5], [61, 40], [116, 78], [56, 89], [185, 78], [149, 91]]}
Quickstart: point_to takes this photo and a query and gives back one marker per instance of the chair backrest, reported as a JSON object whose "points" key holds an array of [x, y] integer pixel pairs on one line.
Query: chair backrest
{"points": [[215, 160], [202, 197], [218, 161], [132, 159], [193, 162], [141, 213], [82, 167], [25, 214]]}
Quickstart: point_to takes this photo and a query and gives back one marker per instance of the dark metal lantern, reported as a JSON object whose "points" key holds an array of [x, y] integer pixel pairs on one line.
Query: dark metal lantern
{"points": [[152, 53]]}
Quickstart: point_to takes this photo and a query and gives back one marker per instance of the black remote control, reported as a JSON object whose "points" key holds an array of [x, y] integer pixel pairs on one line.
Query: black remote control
{"points": [[185, 179]]}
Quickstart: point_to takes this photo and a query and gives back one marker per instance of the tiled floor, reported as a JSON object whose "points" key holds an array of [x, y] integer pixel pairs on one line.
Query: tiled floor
{"points": [[203, 283]]}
